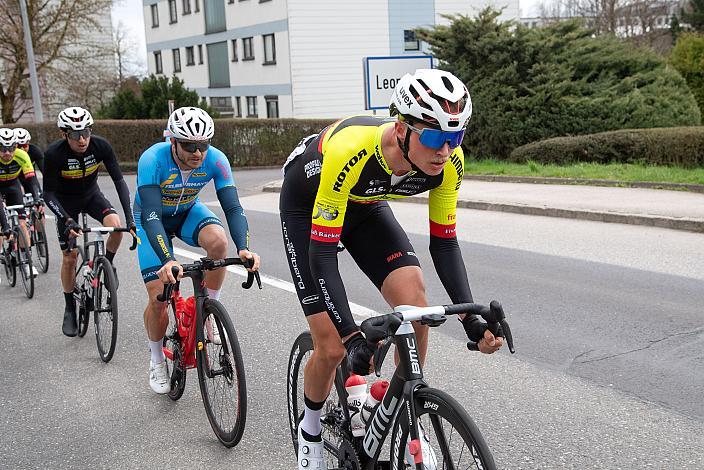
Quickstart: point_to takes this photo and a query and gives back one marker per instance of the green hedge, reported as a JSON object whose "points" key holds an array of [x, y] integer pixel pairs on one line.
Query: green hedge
{"points": [[246, 142], [675, 146]]}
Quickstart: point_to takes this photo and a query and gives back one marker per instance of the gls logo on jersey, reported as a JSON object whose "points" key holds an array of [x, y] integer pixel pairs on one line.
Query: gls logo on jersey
{"points": [[346, 169]]}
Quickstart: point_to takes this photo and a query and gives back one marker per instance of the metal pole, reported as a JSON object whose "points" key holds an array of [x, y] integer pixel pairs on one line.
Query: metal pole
{"points": [[36, 98]]}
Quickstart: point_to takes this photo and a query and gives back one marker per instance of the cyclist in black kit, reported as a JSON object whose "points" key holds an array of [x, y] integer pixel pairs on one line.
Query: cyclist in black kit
{"points": [[71, 187], [36, 156]]}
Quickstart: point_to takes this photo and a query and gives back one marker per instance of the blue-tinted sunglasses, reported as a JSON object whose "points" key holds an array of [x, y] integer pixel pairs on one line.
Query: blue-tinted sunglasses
{"points": [[435, 138]]}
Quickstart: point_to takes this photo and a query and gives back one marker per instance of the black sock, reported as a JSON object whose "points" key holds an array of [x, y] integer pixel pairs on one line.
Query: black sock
{"points": [[68, 297], [310, 438], [109, 255]]}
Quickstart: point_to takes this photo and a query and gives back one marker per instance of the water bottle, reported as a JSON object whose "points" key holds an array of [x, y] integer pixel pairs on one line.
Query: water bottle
{"points": [[356, 387], [376, 394]]}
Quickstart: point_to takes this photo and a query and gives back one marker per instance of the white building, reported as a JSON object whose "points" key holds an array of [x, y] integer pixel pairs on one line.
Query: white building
{"points": [[287, 58]]}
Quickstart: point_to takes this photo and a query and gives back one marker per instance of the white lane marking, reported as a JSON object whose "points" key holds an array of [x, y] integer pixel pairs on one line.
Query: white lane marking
{"points": [[359, 312]]}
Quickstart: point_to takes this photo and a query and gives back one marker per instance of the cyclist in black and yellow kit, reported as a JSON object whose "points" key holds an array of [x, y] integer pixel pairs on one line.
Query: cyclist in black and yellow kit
{"points": [[71, 187], [13, 163], [335, 188], [36, 156]]}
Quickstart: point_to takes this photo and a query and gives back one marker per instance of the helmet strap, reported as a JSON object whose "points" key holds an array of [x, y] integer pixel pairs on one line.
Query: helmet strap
{"points": [[404, 149]]}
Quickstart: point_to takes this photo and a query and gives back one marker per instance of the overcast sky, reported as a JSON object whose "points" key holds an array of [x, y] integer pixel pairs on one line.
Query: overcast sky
{"points": [[129, 12]]}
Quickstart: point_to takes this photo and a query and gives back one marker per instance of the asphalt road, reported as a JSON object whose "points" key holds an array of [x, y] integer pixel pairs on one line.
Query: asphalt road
{"points": [[607, 319]]}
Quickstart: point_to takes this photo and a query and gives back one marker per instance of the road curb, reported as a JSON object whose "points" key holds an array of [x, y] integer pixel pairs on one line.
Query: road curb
{"points": [[673, 223]]}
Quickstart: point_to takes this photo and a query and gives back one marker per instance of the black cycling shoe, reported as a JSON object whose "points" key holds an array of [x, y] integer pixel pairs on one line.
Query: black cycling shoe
{"points": [[69, 327]]}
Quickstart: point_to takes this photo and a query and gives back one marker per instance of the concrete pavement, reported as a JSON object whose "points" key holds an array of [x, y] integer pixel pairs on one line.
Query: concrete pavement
{"points": [[678, 210]]}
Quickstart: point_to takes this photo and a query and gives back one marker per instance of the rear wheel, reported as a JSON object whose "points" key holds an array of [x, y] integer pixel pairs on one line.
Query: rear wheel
{"points": [[332, 415], [8, 262], [23, 254], [221, 375], [40, 241], [105, 309], [452, 440]]}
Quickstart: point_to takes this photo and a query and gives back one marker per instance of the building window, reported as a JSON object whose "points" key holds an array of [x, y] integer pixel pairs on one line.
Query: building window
{"points": [[222, 104], [234, 50], [190, 56], [238, 106], [186, 7], [264, 1], [252, 106], [269, 49], [157, 62], [214, 16], [200, 53], [272, 106], [177, 60], [230, 1], [247, 51], [197, 6], [173, 18], [218, 66], [410, 43], [155, 15]]}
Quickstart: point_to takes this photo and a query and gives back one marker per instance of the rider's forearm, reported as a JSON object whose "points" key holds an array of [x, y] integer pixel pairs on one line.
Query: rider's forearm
{"points": [[123, 192], [236, 220], [150, 201], [449, 265], [53, 202], [323, 266], [36, 190]]}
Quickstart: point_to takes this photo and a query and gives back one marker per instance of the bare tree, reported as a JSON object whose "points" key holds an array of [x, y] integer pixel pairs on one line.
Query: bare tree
{"points": [[128, 63], [60, 31]]}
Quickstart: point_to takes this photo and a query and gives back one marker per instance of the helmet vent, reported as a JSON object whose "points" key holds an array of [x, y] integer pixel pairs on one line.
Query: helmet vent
{"points": [[448, 83]]}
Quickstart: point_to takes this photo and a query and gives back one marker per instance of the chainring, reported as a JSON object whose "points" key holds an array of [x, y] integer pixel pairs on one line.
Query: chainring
{"points": [[347, 455]]}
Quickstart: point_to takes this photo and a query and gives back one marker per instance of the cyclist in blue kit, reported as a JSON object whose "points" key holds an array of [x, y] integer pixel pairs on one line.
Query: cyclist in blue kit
{"points": [[170, 176]]}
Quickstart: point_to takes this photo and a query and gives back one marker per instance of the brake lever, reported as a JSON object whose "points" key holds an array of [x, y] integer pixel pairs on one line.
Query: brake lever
{"points": [[134, 242]]}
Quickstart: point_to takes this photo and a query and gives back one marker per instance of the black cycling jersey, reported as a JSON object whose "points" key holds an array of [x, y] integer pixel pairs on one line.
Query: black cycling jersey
{"points": [[68, 174], [36, 156]]}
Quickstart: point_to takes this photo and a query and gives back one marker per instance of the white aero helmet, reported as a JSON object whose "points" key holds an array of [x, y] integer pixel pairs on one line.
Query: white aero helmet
{"points": [[434, 97], [7, 137], [189, 123], [74, 119], [22, 136]]}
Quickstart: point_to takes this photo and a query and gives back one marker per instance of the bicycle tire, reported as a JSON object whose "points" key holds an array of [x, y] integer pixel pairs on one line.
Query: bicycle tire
{"points": [[300, 353], [230, 366], [438, 405], [105, 314], [24, 258], [40, 242], [172, 342], [9, 264]]}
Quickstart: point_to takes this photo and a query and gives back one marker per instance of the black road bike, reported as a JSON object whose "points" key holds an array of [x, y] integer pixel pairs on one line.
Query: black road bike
{"points": [[210, 344], [17, 254], [36, 224], [450, 435], [95, 288]]}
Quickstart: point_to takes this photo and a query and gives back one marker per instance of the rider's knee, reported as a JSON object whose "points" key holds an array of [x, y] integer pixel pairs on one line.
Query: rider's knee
{"points": [[330, 352], [217, 247], [70, 257]]}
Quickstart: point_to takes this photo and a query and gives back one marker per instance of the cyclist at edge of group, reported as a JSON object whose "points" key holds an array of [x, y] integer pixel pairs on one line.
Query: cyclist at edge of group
{"points": [[71, 187], [13, 163], [170, 176], [36, 156], [335, 188]]}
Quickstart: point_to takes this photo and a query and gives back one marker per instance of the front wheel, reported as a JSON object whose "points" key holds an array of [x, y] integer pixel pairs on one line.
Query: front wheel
{"points": [[8, 261], [449, 437], [105, 308], [39, 241], [23, 255], [221, 374]]}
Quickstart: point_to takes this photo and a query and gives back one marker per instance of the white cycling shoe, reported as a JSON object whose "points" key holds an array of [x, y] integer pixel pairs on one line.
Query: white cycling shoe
{"points": [[430, 461], [211, 328], [159, 378], [311, 455]]}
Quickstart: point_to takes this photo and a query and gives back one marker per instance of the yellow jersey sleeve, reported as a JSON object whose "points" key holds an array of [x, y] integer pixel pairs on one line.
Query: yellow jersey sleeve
{"points": [[442, 201]]}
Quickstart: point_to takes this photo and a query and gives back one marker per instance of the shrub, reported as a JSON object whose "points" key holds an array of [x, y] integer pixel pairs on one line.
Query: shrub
{"points": [[674, 146]]}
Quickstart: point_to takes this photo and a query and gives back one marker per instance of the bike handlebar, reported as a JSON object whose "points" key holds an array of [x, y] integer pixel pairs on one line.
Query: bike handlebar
{"points": [[208, 264], [378, 328], [112, 230]]}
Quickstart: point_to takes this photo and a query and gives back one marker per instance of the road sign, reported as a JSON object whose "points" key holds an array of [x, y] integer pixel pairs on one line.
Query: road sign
{"points": [[382, 73]]}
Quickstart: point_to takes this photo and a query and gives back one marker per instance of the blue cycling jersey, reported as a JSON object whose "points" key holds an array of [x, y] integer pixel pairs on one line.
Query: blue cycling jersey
{"points": [[157, 167], [164, 200]]}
